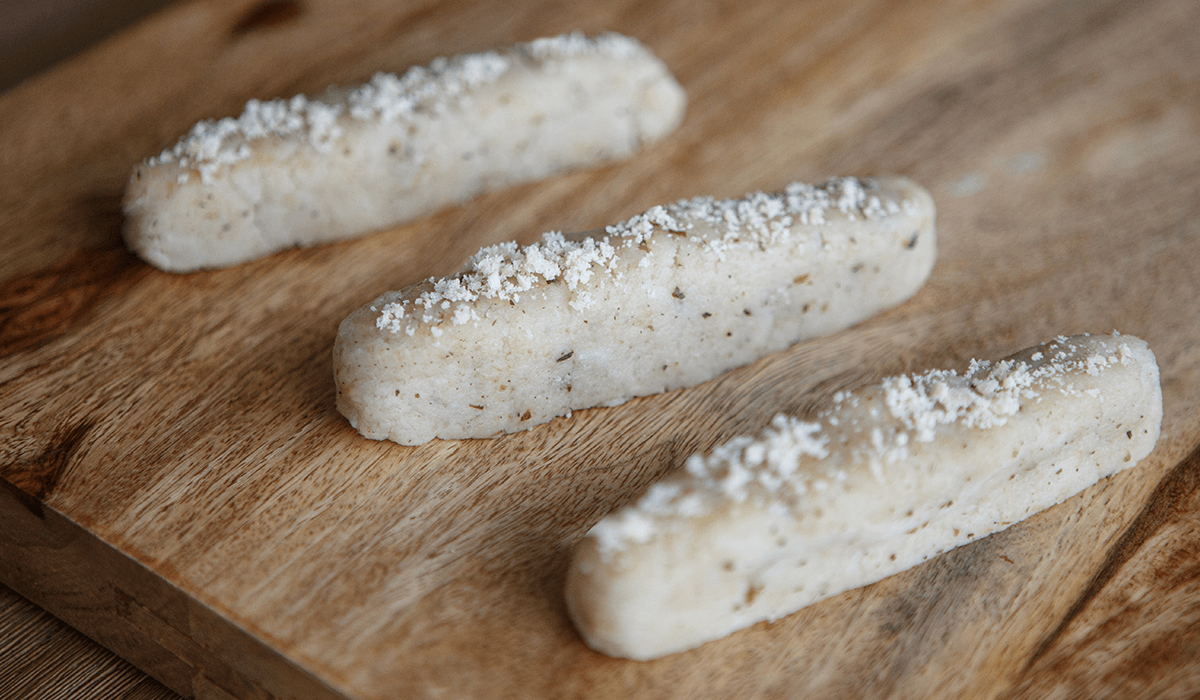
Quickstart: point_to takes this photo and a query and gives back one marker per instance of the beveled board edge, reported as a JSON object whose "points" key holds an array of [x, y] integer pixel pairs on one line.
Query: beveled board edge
{"points": [[119, 603]]}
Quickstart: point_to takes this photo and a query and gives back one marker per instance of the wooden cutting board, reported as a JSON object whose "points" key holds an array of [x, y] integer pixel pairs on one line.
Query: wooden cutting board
{"points": [[177, 484]]}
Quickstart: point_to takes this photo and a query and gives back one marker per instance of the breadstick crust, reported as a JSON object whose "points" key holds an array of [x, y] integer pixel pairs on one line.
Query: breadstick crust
{"points": [[303, 171], [668, 299], [889, 477]]}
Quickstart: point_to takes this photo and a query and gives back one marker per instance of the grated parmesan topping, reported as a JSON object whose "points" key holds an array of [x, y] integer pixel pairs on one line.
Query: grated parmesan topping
{"points": [[577, 44], [768, 467], [989, 393], [508, 271], [444, 84], [762, 217]]}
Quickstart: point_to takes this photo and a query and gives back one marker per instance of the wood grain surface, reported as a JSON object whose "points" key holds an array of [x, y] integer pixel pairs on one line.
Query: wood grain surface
{"points": [[177, 484], [42, 658]]}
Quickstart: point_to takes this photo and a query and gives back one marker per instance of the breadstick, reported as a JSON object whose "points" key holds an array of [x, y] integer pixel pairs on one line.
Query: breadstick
{"points": [[667, 299], [889, 477], [305, 171]]}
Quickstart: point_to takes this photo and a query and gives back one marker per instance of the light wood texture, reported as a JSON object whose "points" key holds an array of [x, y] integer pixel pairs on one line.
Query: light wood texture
{"points": [[177, 483]]}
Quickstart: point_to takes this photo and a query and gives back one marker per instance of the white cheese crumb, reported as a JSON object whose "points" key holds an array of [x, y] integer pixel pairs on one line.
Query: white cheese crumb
{"points": [[214, 144], [577, 44], [507, 271], [783, 463]]}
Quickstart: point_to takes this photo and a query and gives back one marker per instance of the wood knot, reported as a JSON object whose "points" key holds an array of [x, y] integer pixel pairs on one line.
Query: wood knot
{"points": [[264, 15]]}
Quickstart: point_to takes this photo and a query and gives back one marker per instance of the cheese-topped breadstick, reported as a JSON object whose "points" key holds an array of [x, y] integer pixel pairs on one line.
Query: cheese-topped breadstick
{"points": [[888, 477], [668, 299], [304, 171]]}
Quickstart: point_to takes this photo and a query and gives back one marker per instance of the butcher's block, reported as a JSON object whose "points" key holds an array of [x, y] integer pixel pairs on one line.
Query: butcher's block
{"points": [[178, 484]]}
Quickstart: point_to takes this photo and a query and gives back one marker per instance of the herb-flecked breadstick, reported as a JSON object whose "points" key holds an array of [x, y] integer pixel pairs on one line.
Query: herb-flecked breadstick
{"points": [[886, 478], [304, 171], [667, 299]]}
